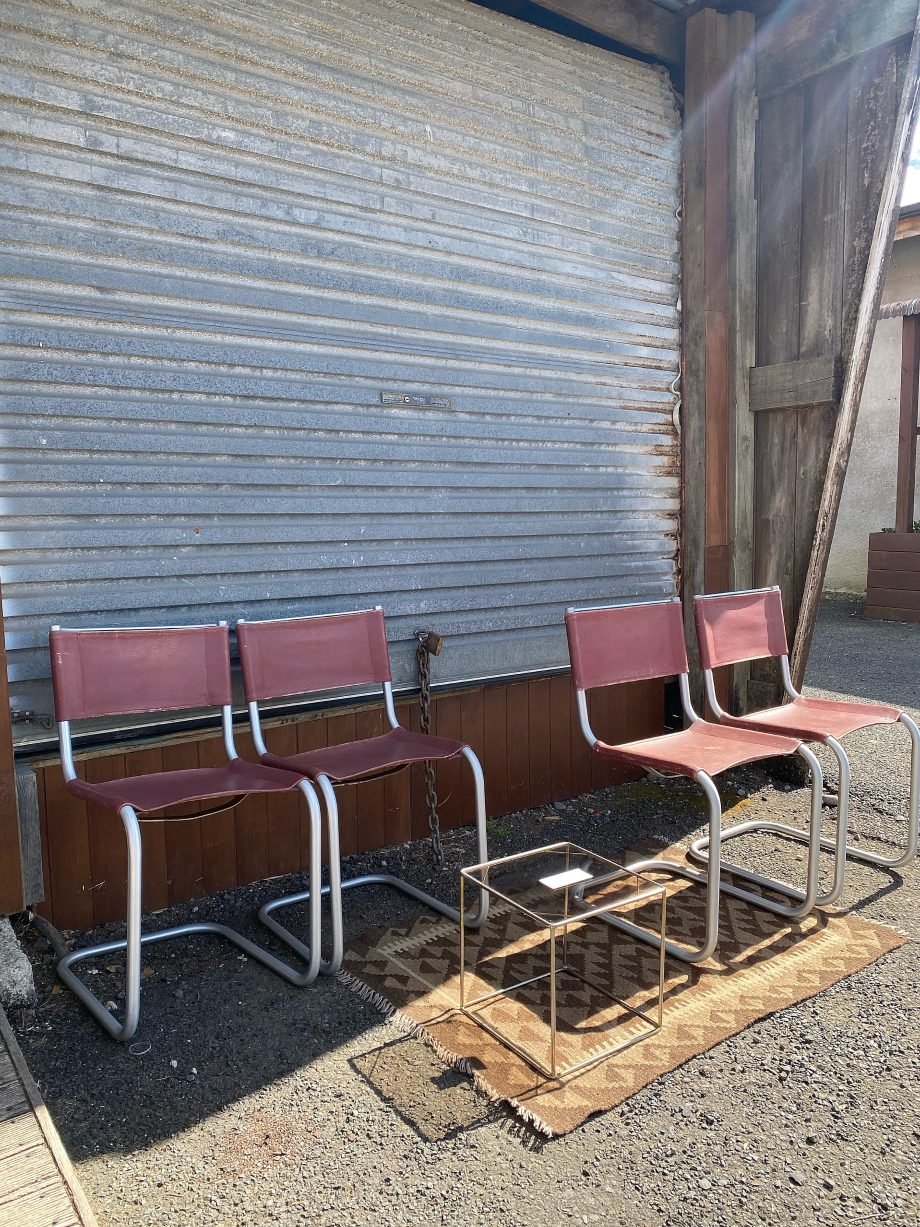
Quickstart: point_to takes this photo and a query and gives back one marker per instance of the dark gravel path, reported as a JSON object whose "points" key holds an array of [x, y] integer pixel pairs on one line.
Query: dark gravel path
{"points": [[257, 1103]]}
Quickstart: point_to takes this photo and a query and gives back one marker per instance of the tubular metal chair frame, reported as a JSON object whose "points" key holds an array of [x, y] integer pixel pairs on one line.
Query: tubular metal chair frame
{"points": [[804, 901], [839, 846], [136, 938], [326, 788]]}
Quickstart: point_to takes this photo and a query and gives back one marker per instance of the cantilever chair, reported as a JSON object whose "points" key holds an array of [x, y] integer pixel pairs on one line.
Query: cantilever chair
{"points": [[742, 626], [612, 644], [118, 672], [296, 656]]}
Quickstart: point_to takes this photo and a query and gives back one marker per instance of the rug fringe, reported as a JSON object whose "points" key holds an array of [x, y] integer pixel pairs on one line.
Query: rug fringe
{"points": [[408, 1026]]}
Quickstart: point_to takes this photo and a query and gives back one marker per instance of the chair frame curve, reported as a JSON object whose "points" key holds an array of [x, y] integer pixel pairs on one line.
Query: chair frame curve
{"points": [[838, 846], [802, 902], [333, 890], [136, 938]]}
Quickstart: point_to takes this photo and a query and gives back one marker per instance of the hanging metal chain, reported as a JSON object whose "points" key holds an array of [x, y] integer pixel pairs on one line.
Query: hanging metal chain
{"points": [[429, 642]]}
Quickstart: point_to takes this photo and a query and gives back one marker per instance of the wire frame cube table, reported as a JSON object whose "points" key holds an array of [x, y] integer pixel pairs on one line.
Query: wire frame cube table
{"points": [[561, 888]]}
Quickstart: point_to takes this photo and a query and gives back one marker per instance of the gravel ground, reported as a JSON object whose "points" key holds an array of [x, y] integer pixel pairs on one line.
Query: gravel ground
{"points": [[257, 1103]]}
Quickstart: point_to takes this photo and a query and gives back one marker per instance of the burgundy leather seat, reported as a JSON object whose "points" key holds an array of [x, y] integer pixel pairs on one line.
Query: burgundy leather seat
{"points": [[149, 793], [372, 756], [701, 747]]}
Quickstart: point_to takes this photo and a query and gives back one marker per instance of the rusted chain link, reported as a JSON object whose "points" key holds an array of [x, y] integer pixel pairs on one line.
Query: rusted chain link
{"points": [[423, 654]]}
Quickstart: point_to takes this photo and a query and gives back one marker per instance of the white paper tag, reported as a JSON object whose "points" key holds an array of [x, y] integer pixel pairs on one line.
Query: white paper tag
{"points": [[567, 878]]}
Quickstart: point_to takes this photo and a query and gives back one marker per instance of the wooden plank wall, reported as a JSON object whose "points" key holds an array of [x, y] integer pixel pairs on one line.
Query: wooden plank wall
{"points": [[526, 735], [11, 866], [823, 144], [784, 168]]}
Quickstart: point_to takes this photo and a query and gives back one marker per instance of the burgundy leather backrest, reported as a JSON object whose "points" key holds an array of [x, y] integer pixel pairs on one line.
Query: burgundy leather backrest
{"points": [[626, 643], [302, 655], [739, 626], [117, 672]]}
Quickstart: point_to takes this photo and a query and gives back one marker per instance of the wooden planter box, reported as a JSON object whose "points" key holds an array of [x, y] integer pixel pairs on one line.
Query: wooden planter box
{"points": [[893, 588]]}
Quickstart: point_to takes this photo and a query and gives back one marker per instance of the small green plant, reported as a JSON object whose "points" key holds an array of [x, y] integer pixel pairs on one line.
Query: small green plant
{"points": [[497, 830], [915, 529]]}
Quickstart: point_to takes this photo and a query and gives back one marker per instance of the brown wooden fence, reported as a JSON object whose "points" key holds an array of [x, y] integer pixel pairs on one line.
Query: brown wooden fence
{"points": [[526, 735]]}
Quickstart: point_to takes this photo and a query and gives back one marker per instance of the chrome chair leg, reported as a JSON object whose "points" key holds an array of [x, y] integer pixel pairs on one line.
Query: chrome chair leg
{"points": [[336, 886], [712, 882], [135, 939], [839, 846], [805, 900]]}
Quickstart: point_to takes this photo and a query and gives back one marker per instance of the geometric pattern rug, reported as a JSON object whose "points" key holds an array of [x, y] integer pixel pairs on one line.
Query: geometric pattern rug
{"points": [[763, 964]]}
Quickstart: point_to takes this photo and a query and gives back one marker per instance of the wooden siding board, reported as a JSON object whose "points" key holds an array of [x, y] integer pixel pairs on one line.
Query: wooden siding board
{"points": [[11, 896], [794, 385], [370, 796], [495, 761], [908, 579], [341, 728], [107, 844], [894, 598], [716, 228], [872, 111], [449, 772], [824, 179], [310, 734], [699, 33], [397, 797], [284, 812], [539, 741], [638, 24], [560, 736], [887, 613], [154, 891], [890, 168], [472, 731], [801, 40], [779, 193], [907, 424], [71, 877], [743, 301], [184, 857], [518, 751], [217, 831]]}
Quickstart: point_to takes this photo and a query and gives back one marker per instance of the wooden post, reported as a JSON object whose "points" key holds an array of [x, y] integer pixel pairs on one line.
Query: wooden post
{"points": [[719, 274], [742, 334], [907, 426], [855, 376], [11, 893]]}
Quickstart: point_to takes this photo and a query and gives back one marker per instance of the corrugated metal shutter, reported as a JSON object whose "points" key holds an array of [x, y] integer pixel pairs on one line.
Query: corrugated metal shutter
{"points": [[232, 234]]}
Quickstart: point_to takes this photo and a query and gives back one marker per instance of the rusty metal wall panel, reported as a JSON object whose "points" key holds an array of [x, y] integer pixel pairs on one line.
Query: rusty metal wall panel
{"points": [[319, 305]]}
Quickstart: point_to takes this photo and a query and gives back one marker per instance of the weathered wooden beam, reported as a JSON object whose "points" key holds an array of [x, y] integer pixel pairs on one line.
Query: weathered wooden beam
{"points": [[855, 376], [719, 278], [637, 24], [742, 331], [807, 37], [700, 38], [907, 227], [907, 424], [795, 385], [11, 898]]}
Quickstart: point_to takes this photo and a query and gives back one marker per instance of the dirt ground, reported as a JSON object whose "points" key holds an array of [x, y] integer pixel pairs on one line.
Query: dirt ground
{"points": [[246, 1101]]}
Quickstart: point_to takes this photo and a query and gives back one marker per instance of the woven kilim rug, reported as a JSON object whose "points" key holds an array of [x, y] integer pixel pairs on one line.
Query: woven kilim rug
{"points": [[762, 965]]}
